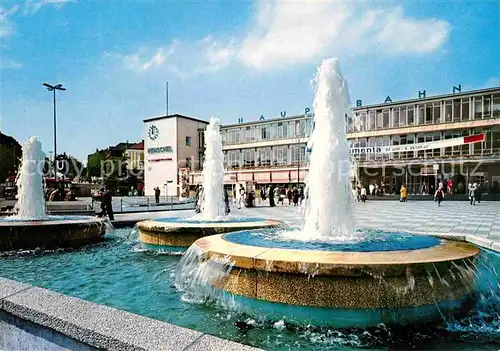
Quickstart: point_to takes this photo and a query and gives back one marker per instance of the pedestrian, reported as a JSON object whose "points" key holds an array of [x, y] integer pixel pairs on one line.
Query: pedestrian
{"points": [[403, 194], [226, 202], [241, 199], [363, 194], [301, 194], [478, 192], [157, 195], [295, 195], [199, 199], [289, 195], [472, 193], [271, 196], [438, 196], [106, 204]]}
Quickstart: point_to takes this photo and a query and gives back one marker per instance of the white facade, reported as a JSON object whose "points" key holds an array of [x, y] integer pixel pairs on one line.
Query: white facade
{"points": [[171, 145], [160, 156]]}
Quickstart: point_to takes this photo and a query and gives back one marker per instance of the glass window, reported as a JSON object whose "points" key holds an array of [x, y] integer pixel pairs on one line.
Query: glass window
{"points": [[420, 114], [385, 118], [380, 119], [411, 115], [188, 141], [496, 105], [448, 111], [264, 156], [402, 116], [456, 110], [495, 141], [465, 147], [410, 139], [395, 117], [396, 140], [428, 114], [478, 107], [465, 109], [371, 116], [437, 112], [478, 147], [487, 106], [420, 139], [448, 151]]}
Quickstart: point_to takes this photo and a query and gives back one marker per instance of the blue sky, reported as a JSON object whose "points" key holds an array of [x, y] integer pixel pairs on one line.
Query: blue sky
{"points": [[225, 59]]}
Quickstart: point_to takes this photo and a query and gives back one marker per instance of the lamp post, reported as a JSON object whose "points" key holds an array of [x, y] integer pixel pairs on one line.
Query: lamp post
{"points": [[53, 88]]}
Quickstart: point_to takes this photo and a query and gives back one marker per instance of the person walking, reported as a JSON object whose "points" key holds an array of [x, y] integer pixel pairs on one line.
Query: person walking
{"points": [[438, 196], [295, 195], [241, 194], [271, 196], [106, 204], [226, 202], [301, 194], [478, 192], [472, 193], [363, 194], [157, 195], [403, 193]]}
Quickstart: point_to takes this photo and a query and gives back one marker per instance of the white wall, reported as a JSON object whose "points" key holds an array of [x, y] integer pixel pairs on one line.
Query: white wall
{"points": [[157, 173]]}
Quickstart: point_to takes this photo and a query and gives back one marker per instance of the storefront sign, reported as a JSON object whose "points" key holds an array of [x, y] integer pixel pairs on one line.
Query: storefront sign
{"points": [[159, 150], [419, 146]]}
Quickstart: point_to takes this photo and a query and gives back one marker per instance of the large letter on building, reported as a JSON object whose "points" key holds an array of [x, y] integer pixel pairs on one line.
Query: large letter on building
{"points": [[457, 89], [359, 103], [283, 113], [307, 110], [388, 99], [421, 94]]}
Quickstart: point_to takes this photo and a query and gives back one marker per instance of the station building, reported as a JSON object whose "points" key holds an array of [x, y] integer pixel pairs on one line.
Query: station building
{"points": [[438, 136]]}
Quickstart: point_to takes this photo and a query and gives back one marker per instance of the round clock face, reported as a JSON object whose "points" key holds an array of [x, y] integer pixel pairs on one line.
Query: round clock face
{"points": [[153, 132]]}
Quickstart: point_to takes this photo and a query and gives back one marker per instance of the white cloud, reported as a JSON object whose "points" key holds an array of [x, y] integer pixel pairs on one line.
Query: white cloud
{"points": [[5, 64], [297, 32], [143, 60], [6, 26], [33, 6], [184, 59], [286, 33]]}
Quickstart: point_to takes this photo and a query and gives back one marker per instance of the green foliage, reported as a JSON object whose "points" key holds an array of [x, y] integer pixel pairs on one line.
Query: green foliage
{"points": [[9, 161]]}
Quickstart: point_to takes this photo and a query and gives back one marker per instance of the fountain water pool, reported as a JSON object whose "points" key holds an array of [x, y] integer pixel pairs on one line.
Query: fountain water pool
{"points": [[119, 274], [176, 234], [31, 228], [327, 272]]}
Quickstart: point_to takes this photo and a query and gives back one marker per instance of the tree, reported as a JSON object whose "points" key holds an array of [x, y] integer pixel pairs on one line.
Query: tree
{"points": [[94, 164]]}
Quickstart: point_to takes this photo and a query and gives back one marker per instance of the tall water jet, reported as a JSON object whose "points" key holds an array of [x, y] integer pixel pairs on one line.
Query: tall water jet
{"points": [[327, 273], [213, 173], [329, 207], [31, 200]]}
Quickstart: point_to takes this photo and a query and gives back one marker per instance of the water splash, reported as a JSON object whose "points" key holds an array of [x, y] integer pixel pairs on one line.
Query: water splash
{"points": [[329, 206], [213, 173], [196, 275], [31, 199]]}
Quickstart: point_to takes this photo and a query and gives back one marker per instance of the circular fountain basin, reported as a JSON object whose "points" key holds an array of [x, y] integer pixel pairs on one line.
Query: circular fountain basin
{"points": [[178, 233], [391, 278], [50, 232]]}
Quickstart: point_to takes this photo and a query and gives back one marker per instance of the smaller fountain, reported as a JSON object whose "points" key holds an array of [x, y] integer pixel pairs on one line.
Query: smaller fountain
{"points": [[177, 233], [30, 227]]}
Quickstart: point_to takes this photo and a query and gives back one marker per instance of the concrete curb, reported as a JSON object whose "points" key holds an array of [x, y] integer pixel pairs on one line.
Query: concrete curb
{"points": [[101, 326]]}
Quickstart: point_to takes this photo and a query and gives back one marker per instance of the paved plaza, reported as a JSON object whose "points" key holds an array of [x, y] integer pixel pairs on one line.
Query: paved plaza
{"points": [[479, 224]]}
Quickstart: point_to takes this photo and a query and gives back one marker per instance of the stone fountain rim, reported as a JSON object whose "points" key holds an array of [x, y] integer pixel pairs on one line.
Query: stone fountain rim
{"points": [[329, 262], [49, 222], [153, 225]]}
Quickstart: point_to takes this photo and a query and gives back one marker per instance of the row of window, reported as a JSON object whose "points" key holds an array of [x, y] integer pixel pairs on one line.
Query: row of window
{"points": [[490, 146], [455, 110], [296, 154], [267, 131], [266, 156], [445, 111]]}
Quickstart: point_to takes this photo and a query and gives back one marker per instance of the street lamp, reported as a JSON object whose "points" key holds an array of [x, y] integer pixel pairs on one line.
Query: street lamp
{"points": [[53, 88]]}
